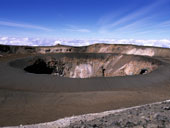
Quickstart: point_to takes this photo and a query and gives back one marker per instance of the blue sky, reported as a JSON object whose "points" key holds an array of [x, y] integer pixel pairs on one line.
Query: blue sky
{"points": [[85, 19]]}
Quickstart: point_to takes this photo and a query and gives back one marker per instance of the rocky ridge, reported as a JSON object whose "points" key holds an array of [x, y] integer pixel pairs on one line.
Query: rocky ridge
{"points": [[95, 48]]}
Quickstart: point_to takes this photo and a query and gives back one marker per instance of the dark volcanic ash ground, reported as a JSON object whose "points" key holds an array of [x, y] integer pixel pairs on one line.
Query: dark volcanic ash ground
{"points": [[148, 116]]}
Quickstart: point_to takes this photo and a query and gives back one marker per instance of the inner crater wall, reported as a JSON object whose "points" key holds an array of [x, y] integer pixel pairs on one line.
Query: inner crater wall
{"points": [[89, 66]]}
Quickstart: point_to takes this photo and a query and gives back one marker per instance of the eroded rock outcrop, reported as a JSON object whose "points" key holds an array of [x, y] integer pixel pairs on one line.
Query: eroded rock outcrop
{"points": [[95, 48]]}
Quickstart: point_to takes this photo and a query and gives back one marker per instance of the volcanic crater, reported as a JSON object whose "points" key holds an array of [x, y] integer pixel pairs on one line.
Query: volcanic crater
{"points": [[89, 65], [43, 84]]}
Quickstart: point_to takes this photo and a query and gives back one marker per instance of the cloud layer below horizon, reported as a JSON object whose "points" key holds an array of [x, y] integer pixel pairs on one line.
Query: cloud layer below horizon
{"points": [[73, 42]]}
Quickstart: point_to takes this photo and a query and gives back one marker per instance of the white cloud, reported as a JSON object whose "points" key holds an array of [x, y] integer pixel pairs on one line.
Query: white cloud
{"points": [[57, 42], [24, 41], [73, 42], [139, 20], [73, 28], [78, 30], [12, 24], [136, 14]]}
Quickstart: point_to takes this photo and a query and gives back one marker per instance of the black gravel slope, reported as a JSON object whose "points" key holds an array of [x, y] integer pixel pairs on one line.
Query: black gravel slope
{"points": [[149, 116]]}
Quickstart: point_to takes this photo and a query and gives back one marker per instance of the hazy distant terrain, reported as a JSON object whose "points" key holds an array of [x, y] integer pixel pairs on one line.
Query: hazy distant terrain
{"points": [[27, 41]]}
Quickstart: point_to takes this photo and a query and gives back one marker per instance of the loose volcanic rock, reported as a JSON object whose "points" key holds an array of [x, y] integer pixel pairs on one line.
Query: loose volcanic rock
{"points": [[147, 116]]}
